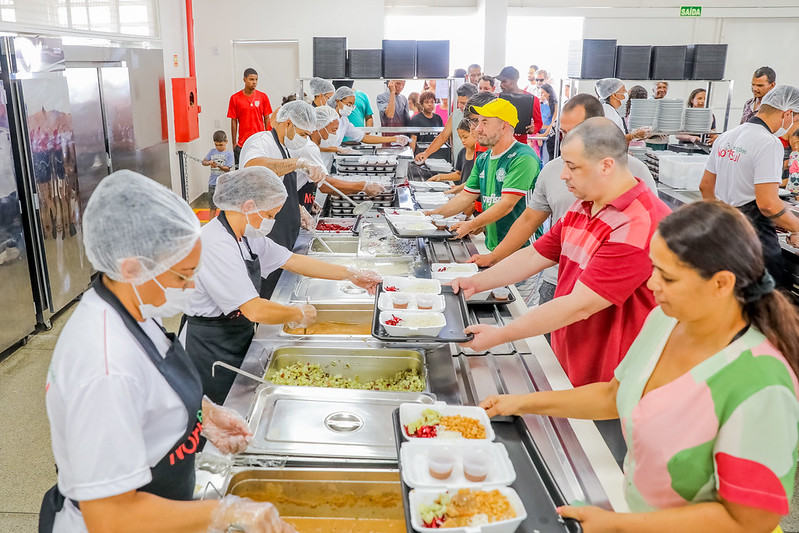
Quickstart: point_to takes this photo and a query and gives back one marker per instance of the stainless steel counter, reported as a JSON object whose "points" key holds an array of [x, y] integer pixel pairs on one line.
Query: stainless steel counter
{"points": [[575, 454]]}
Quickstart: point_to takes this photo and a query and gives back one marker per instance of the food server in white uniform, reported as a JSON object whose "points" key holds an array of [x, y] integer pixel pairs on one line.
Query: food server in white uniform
{"points": [[124, 401], [236, 255]]}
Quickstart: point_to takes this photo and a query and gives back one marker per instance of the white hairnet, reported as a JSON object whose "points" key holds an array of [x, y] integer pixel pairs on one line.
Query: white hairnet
{"points": [[130, 216], [300, 113], [256, 183], [324, 116], [340, 94], [783, 97], [320, 86], [607, 86]]}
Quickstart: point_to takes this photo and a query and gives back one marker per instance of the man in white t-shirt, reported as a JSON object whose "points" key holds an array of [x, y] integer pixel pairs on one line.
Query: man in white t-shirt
{"points": [[551, 197], [745, 171]]}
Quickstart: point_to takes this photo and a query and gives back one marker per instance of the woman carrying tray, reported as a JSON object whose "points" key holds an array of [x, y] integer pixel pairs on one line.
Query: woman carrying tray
{"points": [[707, 393]]}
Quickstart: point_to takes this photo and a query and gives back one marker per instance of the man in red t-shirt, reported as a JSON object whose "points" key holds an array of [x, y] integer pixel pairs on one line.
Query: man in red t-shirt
{"points": [[248, 112], [601, 246]]}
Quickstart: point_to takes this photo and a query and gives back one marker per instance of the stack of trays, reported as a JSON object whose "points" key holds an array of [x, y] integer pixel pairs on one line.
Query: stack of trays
{"points": [[638, 152], [449, 462], [668, 62], [330, 57], [399, 59], [432, 59], [669, 119], [643, 112], [632, 62], [365, 64], [592, 58], [705, 61], [698, 119]]}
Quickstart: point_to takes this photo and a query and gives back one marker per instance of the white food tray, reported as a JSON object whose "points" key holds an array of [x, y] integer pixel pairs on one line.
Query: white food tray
{"points": [[409, 412], [384, 303], [453, 270], [416, 473], [439, 321], [418, 497], [412, 285]]}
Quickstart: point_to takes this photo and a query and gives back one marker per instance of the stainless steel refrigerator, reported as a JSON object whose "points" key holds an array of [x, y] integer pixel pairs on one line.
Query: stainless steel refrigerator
{"points": [[52, 205], [17, 313]]}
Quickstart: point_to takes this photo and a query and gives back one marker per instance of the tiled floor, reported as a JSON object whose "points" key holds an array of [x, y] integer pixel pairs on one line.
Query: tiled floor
{"points": [[26, 461]]}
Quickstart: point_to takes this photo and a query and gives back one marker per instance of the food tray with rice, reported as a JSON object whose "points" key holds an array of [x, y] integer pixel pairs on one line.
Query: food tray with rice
{"points": [[421, 325], [532, 496]]}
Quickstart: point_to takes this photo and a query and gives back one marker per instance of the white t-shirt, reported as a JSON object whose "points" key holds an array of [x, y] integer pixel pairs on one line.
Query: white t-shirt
{"points": [[261, 144], [112, 415], [311, 151], [611, 113], [551, 194], [746, 155], [222, 282]]}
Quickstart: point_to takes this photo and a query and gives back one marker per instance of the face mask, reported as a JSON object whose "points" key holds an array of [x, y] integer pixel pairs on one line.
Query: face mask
{"points": [[621, 108], [346, 110], [261, 231], [296, 142], [783, 130], [177, 301]]}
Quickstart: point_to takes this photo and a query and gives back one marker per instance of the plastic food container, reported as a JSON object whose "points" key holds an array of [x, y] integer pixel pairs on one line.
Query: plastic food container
{"points": [[436, 321], [415, 454], [409, 412], [440, 464], [419, 497], [415, 285], [425, 302], [501, 293], [400, 300], [386, 299], [475, 467]]}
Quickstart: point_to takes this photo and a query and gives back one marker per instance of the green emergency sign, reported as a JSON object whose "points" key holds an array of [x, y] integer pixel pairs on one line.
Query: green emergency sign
{"points": [[691, 11]]}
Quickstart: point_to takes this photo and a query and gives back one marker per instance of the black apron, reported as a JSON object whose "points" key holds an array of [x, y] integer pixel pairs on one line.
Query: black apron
{"points": [[173, 476], [222, 338], [287, 222], [766, 233]]}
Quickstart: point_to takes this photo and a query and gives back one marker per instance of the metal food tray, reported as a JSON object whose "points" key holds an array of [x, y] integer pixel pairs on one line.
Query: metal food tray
{"points": [[434, 234], [455, 312], [336, 220], [313, 422], [492, 301], [534, 483]]}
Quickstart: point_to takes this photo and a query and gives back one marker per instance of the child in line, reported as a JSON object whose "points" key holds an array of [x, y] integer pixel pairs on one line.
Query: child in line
{"points": [[464, 161], [221, 160]]}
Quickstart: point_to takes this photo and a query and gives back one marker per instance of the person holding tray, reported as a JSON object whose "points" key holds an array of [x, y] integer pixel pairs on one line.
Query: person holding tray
{"points": [[707, 393], [219, 325]]}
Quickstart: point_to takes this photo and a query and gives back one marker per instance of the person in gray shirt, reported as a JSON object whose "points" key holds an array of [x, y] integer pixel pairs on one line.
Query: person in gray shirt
{"points": [[551, 197], [393, 106]]}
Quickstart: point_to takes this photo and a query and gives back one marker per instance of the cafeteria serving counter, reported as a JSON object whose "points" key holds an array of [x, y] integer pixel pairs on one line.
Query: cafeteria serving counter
{"points": [[357, 445]]}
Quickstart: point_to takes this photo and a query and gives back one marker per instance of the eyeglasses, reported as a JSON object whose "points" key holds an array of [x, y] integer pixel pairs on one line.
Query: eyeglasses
{"points": [[540, 79], [187, 279]]}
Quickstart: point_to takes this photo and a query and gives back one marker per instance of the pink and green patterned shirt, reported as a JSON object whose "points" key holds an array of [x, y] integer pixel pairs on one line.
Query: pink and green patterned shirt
{"points": [[725, 429]]}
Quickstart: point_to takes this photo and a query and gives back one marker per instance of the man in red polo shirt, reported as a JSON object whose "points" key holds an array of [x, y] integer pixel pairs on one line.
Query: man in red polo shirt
{"points": [[248, 112], [601, 246]]}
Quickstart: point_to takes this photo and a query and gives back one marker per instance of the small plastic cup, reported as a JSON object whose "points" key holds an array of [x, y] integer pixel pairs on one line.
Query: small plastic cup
{"points": [[425, 301], [475, 467], [400, 301], [501, 293], [440, 223], [440, 464]]}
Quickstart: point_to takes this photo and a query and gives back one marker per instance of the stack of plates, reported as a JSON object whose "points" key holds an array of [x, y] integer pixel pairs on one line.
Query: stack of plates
{"points": [[638, 152], [643, 112], [669, 118], [698, 119]]}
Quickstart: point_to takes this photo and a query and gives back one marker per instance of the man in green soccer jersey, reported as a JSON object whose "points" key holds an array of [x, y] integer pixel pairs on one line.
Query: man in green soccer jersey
{"points": [[501, 177]]}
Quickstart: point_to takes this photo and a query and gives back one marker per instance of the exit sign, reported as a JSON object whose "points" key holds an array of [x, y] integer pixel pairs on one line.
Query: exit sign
{"points": [[691, 11]]}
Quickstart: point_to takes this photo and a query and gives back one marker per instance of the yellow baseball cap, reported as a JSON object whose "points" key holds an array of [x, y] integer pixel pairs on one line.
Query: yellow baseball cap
{"points": [[499, 108]]}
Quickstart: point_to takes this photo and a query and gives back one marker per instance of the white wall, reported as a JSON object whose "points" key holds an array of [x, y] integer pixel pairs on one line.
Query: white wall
{"points": [[361, 21]]}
